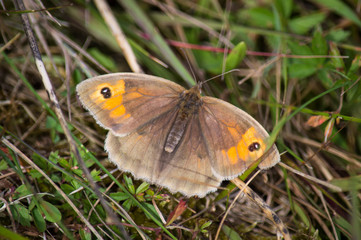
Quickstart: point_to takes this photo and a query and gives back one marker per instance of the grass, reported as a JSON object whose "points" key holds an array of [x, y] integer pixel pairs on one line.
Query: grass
{"points": [[298, 64]]}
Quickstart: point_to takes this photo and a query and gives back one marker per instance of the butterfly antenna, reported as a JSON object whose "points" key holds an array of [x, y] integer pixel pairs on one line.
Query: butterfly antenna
{"points": [[189, 64], [222, 74], [225, 29]]}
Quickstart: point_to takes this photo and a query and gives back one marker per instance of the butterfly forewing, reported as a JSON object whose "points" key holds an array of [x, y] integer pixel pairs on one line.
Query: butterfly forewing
{"points": [[122, 102], [140, 151]]}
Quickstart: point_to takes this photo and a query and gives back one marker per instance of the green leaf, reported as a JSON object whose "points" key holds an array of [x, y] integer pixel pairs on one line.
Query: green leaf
{"points": [[21, 191], [355, 64], [52, 213], [75, 184], [33, 203], [56, 178], [340, 8], [299, 49], [3, 165], [119, 196], [127, 204], [343, 223], [67, 188], [52, 123], [230, 233], [319, 44], [54, 128], [142, 187], [96, 175], [259, 17], [77, 76], [9, 235], [78, 171], [206, 224], [301, 70], [303, 24], [85, 234], [349, 183], [323, 75], [353, 95], [65, 164], [129, 184], [338, 35], [356, 214], [337, 63], [39, 220], [151, 210], [103, 59], [150, 192], [302, 214], [35, 174], [21, 214], [285, 6], [54, 157], [236, 56], [40, 161], [209, 61]]}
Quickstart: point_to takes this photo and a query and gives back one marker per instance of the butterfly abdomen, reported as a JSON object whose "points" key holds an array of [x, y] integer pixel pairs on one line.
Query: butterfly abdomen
{"points": [[175, 134], [189, 103]]}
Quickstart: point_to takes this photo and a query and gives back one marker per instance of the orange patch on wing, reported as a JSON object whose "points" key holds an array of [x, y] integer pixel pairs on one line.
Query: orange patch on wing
{"points": [[232, 155], [249, 137], [126, 116], [133, 95], [234, 133], [113, 102], [242, 150], [224, 154], [117, 112], [119, 87], [117, 90]]}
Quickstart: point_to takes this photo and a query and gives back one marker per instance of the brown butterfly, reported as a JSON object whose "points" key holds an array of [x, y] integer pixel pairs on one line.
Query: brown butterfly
{"points": [[173, 137]]}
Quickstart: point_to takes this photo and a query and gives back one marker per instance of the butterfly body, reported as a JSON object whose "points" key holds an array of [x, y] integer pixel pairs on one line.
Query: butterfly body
{"points": [[189, 103], [173, 137]]}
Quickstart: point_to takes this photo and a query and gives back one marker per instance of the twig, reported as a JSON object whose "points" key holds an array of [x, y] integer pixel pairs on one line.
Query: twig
{"points": [[117, 32], [326, 184], [271, 215]]}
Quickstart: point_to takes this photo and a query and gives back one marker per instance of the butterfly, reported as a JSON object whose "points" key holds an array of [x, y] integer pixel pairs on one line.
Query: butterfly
{"points": [[173, 137]]}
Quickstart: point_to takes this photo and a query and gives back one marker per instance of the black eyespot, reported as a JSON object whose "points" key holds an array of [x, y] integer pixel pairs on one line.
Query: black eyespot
{"points": [[254, 146], [106, 92]]}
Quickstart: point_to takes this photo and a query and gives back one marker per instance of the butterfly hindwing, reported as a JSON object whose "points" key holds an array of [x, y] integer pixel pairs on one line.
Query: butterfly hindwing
{"points": [[186, 170], [231, 139]]}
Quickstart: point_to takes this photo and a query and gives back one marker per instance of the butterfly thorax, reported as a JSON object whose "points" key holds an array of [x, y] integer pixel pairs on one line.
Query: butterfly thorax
{"points": [[188, 106]]}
